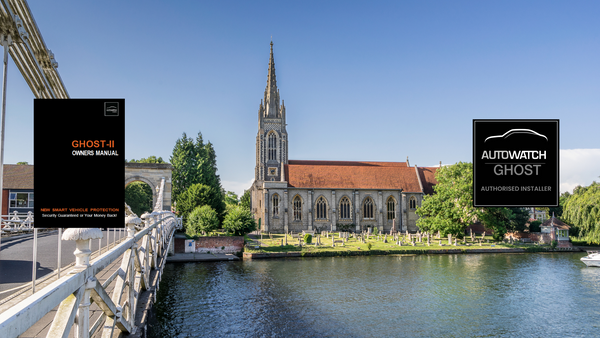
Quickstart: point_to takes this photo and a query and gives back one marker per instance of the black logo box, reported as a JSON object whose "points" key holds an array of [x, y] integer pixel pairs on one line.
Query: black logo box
{"points": [[67, 184], [516, 163]]}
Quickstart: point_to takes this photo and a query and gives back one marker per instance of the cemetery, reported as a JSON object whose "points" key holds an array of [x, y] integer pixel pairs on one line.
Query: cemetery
{"points": [[326, 243]]}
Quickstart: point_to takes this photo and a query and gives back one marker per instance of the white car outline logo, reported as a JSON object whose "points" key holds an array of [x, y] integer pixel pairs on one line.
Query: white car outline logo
{"points": [[517, 131]]}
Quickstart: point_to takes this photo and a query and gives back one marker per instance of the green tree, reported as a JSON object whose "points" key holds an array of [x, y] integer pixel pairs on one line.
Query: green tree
{"points": [[245, 200], [203, 218], [231, 198], [193, 163], [185, 166], [151, 159], [199, 195], [239, 221], [22, 163], [518, 219], [534, 226], [496, 219], [582, 210], [450, 209], [138, 196]]}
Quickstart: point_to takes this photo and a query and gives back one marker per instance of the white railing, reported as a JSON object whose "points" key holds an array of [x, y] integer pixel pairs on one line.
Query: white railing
{"points": [[75, 292], [17, 222]]}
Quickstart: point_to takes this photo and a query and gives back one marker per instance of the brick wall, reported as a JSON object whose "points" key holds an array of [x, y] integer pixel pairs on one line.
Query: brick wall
{"points": [[233, 244]]}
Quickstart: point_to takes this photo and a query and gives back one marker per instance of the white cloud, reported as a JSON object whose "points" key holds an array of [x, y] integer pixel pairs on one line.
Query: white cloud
{"points": [[237, 187], [578, 167]]}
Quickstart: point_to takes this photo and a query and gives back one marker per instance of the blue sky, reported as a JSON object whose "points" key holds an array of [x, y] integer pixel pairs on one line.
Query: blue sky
{"points": [[375, 81]]}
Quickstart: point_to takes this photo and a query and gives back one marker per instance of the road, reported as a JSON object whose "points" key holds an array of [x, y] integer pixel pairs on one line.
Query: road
{"points": [[16, 256]]}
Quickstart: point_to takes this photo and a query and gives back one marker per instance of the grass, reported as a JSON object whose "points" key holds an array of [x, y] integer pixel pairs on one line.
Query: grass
{"points": [[377, 245]]}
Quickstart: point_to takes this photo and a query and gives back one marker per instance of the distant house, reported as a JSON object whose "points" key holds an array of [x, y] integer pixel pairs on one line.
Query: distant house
{"points": [[558, 231], [538, 215], [17, 189]]}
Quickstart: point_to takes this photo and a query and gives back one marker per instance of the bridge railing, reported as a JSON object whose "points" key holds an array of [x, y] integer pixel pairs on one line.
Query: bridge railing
{"points": [[75, 292]]}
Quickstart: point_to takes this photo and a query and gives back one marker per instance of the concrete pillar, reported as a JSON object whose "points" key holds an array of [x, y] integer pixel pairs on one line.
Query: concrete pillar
{"points": [[82, 238]]}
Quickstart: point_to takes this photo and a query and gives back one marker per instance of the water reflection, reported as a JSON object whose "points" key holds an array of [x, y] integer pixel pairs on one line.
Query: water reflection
{"points": [[381, 296]]}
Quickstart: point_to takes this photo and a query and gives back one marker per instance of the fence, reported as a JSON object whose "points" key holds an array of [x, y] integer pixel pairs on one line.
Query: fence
{"points": [[75, 292]]}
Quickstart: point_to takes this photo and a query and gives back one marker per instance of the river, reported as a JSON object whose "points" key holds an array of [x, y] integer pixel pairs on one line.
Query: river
{"points": [[476, 295]]}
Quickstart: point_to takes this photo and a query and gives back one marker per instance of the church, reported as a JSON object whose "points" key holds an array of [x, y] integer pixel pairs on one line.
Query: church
{"points": [[296, 195]]}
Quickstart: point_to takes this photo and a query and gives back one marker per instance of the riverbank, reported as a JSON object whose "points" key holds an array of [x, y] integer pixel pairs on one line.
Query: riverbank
{"points": [[272, 246], [263, 255]]}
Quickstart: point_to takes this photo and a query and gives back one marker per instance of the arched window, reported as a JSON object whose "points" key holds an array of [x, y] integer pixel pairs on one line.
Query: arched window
{"points": [[297, 208], [275, 205], [321, 207], [368, 209], [345, 208], [391, 208], [272, 146], [413, 202]]}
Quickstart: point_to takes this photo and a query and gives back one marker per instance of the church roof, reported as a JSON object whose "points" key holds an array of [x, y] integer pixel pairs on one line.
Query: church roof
{"points": [[427, 175], [357, 175]]}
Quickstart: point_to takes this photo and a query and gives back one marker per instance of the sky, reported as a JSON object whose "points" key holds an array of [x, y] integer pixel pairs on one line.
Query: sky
{"points": [[361, 80]]}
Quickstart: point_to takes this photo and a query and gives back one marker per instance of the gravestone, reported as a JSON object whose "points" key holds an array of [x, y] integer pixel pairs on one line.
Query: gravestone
{"points": [[449, 239], [454, 241]]}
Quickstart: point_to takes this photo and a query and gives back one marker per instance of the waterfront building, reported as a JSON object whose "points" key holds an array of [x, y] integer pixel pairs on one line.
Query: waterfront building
{"points": [[295, 195], [17, 189]]}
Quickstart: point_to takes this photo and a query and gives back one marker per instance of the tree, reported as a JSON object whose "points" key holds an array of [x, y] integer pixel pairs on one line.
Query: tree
{"points": [[151, 159], [518, 220], [193, 163], [245, 200], [239, 221], [496, 219], [450, 209], [138, 196], [231, 198], [534, 226], [202, 219], [22, 163], [185, 165], [582, 210], [199, 195]]}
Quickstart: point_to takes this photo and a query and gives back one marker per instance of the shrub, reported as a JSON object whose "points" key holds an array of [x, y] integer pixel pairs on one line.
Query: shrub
{"points": [[534, 226], [375, 231], [239, 221], [308, 238], [201, 219], [198, 195], [369, 246]]}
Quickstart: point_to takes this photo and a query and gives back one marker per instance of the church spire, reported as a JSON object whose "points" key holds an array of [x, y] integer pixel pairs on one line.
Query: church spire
{"points": [[271, 92]]}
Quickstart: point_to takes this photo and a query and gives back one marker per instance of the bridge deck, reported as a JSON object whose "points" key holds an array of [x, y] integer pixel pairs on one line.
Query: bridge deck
{"points": [[41, 328]]}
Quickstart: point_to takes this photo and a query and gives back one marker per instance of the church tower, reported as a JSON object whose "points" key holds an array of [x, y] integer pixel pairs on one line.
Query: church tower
{"points": [[271, 140]]}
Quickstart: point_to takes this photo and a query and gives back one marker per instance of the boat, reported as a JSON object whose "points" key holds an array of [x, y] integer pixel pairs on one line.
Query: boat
{"points": [[592, 259]]}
